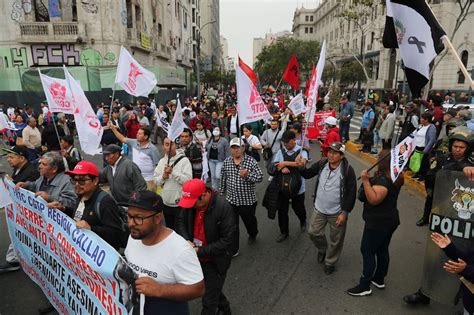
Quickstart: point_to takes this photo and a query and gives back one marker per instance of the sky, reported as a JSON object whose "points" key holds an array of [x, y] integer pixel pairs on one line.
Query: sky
{"points": [[244, 20]]}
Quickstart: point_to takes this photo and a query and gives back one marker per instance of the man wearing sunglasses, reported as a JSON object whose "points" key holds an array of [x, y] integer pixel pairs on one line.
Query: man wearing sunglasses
{"points": [[170, 274]]}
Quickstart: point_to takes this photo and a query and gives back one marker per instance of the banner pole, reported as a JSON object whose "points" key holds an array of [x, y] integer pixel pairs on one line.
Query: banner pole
{"points": [[461, 65], [113, 95], [378, 162]]}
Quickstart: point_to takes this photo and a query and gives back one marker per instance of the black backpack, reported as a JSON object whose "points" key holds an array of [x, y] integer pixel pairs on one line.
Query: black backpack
{"points": [[290, 184], [121, 215]]}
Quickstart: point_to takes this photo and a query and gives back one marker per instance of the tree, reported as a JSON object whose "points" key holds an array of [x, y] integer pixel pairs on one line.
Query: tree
{"points": [[350, 73], [273, 59]]}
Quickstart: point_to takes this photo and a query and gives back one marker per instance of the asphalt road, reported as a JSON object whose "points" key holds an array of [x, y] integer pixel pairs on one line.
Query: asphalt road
{"points": [[285, 278]]}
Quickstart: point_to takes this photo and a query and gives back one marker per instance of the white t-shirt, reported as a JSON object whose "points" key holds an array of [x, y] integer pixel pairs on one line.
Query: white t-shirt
{"points": [[252, 140], [144, 162], [420, 138], [79, 211], [171, 261]]}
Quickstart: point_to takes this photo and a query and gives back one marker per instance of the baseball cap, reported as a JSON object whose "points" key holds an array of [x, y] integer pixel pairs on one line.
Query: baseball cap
{"points": [[287, 136], [452, 112], [331, 121], [192, 190], [84, 168], [111, 148], [338, 147], [144, 199], [235, 142], [18, 150]]}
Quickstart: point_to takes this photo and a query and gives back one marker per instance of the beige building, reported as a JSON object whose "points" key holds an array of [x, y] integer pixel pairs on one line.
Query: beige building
{"points": [[345, 40], [89, 33], [210, 34], [270, 38]]}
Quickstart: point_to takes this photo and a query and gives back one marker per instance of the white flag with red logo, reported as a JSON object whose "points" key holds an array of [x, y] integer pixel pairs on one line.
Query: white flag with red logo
{"points": [[132, 77], [88, 126], [314, 85], [57, 94], [251, 106], [177, 125]]}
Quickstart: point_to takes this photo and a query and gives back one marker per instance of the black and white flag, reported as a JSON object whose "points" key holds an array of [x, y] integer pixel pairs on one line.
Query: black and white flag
{"points": [[411, 26]]}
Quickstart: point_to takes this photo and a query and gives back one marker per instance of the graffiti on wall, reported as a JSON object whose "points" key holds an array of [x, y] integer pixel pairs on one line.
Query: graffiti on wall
{"points": [[54, 54], [42, 13], [54, 8], [20, 7], [90, 6]]}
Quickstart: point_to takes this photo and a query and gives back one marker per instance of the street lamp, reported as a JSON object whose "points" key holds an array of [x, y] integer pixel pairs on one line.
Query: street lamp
{"points": [[197, 52]]}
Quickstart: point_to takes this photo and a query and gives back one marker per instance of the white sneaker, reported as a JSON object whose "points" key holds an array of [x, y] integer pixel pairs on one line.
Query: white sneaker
{"points": [[270, 178]]}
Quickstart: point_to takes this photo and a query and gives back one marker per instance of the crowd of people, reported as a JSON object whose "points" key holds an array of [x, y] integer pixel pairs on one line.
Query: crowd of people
{"points": [[176, 214]]}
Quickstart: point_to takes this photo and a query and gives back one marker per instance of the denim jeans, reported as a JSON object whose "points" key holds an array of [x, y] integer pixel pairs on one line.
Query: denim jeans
{"points": [[377, 141], [374, 249], [344, 130], [215, 168]]}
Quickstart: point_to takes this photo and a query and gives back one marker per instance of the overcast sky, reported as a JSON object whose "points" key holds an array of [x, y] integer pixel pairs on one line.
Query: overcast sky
{"points": [[244, 20]]}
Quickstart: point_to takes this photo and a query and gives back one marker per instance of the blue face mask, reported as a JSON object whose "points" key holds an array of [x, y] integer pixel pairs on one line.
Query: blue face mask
{"points": [[216, 133]]}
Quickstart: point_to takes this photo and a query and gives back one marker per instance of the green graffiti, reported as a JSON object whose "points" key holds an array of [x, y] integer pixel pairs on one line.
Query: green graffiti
{"points": [[110, 56], [91, 57], [13, 57]]}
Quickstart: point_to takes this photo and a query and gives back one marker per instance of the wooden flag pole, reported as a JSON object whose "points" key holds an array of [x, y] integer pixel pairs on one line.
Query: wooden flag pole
{"points": [[279, 83], [448, 43]]}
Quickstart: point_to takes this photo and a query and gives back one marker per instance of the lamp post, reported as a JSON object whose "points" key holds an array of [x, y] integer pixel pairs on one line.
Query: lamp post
{"points": [[197, 48]]}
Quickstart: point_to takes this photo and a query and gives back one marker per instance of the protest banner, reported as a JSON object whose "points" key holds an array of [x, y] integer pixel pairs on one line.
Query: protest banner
{"points": [[400, 155], [452, 215], [314, 85], [316, 129], [58, 94], [297, 105], [78, 271]]}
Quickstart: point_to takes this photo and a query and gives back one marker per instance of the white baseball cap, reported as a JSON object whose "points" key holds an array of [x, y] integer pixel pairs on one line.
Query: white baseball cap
{"points": [[331, 121], [236, 142]]}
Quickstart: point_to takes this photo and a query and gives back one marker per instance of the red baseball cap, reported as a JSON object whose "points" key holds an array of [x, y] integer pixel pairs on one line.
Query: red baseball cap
{"points": [[192, 190], [84, 168]]}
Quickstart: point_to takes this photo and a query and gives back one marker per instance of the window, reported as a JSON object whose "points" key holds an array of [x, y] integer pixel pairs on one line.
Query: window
{"points": [[306, 18], [306, 30], [464, 59], [311, 30], [160, 30], [311, 18], [129, 14]]}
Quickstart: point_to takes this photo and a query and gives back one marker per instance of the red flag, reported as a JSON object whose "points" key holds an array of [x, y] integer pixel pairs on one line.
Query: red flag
{"points": [[292, 73], [248, 71], [281, 101]]}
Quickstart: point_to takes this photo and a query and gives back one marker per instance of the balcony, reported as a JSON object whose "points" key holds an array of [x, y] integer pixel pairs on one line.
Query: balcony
{"points": [[140, 40], [51, 32]]}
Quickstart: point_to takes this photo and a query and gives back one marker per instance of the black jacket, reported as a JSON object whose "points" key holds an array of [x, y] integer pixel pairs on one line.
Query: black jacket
{"points": [[220, 229], [348, 188], [49, 138], [108, 227], [194, 154], [28, 173]]}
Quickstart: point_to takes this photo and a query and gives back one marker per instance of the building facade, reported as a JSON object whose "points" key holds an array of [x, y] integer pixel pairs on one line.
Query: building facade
{"points": [[270, 38], [87, 36], [210, 53], [346, 40]]}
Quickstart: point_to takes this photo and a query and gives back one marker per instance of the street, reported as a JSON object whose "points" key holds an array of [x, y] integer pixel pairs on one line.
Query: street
{"points": [[285, 278]]}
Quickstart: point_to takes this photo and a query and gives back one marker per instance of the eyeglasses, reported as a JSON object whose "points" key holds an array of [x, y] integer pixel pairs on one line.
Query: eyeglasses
{"points": [[81, 181], [139, 220]]}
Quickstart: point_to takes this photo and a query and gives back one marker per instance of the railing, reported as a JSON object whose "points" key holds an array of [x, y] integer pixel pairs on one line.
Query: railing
{"points": [[34, 29], [65, 29], [54, 31]]}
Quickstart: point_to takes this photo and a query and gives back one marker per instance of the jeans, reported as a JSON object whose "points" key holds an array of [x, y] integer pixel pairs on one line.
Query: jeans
{"points": [[297, 203], [215, 167], [213, 298], [344, 130], [247, 213], [374, 249], [377, 141]]}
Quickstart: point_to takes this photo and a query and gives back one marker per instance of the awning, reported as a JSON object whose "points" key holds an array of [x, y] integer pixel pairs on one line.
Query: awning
{"points": [[171, 81], [367, 56]]}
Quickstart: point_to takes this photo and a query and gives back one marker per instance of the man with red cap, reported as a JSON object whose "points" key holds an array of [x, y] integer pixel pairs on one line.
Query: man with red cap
{"points": [[207, 221], [95, 209]]}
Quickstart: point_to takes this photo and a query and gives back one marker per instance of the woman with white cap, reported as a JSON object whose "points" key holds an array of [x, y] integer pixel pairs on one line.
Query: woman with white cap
{"points": [[332, 134]]}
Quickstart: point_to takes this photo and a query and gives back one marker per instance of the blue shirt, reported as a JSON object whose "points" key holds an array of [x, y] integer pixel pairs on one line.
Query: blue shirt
{"points": [[367, 117], [279, 157]]}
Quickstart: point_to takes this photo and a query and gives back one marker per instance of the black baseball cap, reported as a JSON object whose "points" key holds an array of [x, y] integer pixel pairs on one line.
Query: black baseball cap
{"points": [[18, 150], [111, 148], [287, 136], [146, 200]]}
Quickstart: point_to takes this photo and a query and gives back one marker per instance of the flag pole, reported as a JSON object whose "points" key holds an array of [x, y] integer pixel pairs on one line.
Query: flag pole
{"points": [[113, 95], [279, 83], [461, 65], [378, 162]]}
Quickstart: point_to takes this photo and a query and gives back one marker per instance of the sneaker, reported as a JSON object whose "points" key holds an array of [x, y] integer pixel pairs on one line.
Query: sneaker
{"points": [[281, 238], [329, 269], [270, 178], [378, 284], [9, 267], [235, 254], [358, 290]]}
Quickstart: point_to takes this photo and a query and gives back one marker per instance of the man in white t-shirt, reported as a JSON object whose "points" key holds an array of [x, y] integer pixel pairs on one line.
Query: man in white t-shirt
{"points": [[170, 273]]}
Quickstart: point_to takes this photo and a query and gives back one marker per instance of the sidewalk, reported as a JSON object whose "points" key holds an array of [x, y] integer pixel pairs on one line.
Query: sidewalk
{"points": [[372, 159]]}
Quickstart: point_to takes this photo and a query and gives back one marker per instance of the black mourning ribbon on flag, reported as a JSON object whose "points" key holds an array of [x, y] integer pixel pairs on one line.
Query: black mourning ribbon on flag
{"points": [[412, 40]]}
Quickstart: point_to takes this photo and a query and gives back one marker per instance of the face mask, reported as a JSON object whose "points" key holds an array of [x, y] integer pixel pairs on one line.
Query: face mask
{"points": [[216, 133]]}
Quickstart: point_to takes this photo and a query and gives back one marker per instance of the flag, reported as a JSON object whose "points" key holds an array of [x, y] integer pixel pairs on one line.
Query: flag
{"points": [[281, 101], [251, 106], [5, 124], [297, 104], [400, 155], [177, 125], [314, 85], [132, 77], [248, 71], [307, 83], [271, 89], [411, 26], [161, 122], [88, 126], [57, 94], [292, 73]]}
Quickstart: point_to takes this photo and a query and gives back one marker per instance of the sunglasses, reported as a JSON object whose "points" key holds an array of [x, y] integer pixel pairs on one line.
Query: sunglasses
{"points": [[80, 181]]}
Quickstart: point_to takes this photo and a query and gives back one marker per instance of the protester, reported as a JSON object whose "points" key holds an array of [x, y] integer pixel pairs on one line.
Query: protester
{"points": [[252, 141], [217, 149], [170, 274], [286, 119], [466, 115], [379, 195], [32, 139], [192, 152], [143, 120], [334, 199], [62, 122], [132, 125], [199, 117], [271, 141], [23, 171], [239, 174], [332, 135], [346, 112], [215, 121], [71, 155], [368, 122], [424, 141], [50, 138], [172, 171], [410, 123], [233, 124], [142, 152], [17, 133], [387, 129], [122, 175], [285, 168], [201, 134], [108, 136], [450, 114], [381, 114], [207, 221], [297, 129]]}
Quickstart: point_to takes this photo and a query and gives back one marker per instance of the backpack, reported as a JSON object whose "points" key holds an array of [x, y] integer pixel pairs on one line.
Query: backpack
{"points": [[290, 184], [121, 215]]}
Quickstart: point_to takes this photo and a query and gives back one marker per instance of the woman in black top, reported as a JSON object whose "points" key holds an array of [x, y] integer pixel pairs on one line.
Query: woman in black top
{"points": [[379, 195]]}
